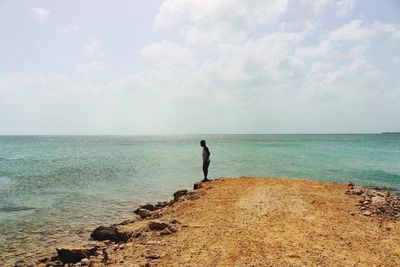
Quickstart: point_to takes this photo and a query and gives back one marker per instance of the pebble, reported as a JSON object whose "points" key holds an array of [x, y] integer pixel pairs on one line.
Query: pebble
{"points": [[85, 262], [367, 213]]}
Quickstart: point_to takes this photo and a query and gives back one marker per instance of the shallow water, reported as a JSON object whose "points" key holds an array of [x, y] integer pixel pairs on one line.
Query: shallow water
{"points": [[55, 189]]}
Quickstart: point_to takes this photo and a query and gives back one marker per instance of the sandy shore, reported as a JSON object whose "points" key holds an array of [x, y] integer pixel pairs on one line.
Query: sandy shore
{"points": [[255, 222]]}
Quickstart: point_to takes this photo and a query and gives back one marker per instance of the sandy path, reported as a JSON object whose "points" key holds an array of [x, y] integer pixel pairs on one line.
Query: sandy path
{"points": [[267, 222]]}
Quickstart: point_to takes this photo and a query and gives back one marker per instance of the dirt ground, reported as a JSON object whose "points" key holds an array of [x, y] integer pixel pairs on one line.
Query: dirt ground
{"points": [[265, 222]]}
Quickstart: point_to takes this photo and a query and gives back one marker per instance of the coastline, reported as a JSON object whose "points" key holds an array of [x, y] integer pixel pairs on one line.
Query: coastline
{"points": [[249, 221]]}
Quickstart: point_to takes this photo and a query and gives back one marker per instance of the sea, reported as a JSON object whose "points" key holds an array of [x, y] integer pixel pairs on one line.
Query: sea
{"points": [[55, 190]]}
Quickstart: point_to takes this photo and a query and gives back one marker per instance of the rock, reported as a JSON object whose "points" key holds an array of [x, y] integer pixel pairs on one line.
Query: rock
{"points": [[151, 256], [127, 222], [74, 254], [43, 260], [175, 221], [143, 213], [85, 262], [149, 207], [357, 190], [378, 201], [163, 204], [179, 194], [111, 233], [56, 263], [166, 231], [366, 203], [367, 213], [157, 226], [197, 186], [20, 263]]}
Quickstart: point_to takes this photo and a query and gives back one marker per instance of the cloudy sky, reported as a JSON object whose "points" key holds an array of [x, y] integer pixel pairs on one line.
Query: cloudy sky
{"points": [[198, 66]]}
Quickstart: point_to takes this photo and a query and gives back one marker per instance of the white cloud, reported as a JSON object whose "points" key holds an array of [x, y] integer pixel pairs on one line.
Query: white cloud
{"points": [[353, 31], [167, 53], [219, 20], [343, 7], [93, 48], [91, 66], [92, 52], [272, 66], [71, 28], [40, 13]]}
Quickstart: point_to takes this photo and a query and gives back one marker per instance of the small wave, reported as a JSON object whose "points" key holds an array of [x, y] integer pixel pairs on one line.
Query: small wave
{"points": [[14, 209]]}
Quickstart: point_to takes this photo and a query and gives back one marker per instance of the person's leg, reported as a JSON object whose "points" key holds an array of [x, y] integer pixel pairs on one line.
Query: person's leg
{"points": [[205, 170]]}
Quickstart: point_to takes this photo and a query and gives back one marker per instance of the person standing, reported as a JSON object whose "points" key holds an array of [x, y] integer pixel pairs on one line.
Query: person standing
{"points": [[206, 159]]}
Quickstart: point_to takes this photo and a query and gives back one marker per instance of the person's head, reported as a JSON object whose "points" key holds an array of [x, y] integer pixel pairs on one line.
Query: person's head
{"points": [[202, 143]]}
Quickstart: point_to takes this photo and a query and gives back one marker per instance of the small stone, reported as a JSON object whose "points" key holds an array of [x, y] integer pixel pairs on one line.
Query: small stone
{"points": [[19, 263], [158, 226], [352, 213], [112, 233], [197, 186], [366, 203], [367, 213], [175, 221], [85, 262], [378, 201], [152, 256], [363, 208], [166, 231]]}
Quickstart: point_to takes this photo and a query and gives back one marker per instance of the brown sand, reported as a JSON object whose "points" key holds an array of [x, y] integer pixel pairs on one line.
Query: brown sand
{"points": [[265, 222]]}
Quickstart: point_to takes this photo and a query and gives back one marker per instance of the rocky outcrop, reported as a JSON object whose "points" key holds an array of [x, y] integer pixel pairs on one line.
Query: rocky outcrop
{"points": [[72, 254], [143, 213], [111, 233], [197, 185], [371, 202], [179, 194], [158, 226]]}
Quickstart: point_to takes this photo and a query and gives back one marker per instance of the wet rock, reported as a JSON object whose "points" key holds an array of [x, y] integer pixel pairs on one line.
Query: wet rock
{"points": [[179, 194], [163, 204], [143, 213], [74, 254], [149, 207], [157, 226], [127, 222], [109, 233]]}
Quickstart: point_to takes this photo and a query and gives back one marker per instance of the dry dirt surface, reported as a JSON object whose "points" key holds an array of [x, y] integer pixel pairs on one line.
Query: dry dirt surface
{"points": [[264, 222], [252, 222]]}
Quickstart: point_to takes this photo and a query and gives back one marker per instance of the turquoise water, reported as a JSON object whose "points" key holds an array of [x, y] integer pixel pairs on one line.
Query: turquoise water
{"points": [[55, 189]]}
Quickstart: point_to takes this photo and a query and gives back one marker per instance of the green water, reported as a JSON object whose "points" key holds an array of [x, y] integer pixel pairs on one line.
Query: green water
{"points": [[55, 189]]}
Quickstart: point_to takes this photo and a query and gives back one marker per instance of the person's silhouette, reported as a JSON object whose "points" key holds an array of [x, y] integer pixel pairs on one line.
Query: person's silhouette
{"points": [[206, 159]]}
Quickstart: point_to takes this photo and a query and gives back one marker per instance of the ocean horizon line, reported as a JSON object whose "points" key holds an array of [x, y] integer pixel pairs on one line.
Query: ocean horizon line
{"points": [[193, 134]]}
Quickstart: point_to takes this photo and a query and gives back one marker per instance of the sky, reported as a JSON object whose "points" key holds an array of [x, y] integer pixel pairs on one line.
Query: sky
{"points": [[130, 67]]}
